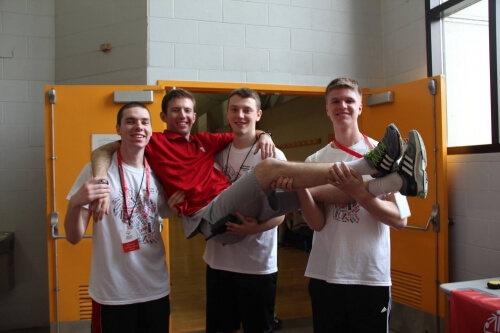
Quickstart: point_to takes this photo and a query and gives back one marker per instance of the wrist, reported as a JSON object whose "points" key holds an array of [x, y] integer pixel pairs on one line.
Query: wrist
{"points": [[266, 132]]}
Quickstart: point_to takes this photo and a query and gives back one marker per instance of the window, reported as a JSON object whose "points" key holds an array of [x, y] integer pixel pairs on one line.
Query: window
{"points": [[467, 67], [461, 44]]}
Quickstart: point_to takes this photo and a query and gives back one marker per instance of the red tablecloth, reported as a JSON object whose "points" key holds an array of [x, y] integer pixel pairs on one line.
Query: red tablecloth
{"points": [[472, 311]]}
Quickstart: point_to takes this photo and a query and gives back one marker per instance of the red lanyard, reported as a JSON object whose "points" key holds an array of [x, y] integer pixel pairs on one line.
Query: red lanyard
{"points": [[124, 186], [350, 151]]}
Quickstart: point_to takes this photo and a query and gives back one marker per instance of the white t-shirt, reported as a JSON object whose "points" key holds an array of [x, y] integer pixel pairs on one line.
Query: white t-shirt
{"points": [[116, 277], [255, 254], [353, 247]]}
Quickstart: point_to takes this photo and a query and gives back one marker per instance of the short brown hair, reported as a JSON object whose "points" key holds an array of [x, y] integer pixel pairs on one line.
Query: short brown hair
{"points": [[246, 93], [343, 82], [129, 105], [176, 93]]}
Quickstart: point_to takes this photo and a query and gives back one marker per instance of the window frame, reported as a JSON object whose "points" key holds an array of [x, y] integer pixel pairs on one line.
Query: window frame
{"points": [[434, 14]]}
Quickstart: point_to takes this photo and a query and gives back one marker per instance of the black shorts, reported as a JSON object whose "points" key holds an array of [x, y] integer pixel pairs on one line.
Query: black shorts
{"points": [[235, 299], [349, 308], [147, 317]]}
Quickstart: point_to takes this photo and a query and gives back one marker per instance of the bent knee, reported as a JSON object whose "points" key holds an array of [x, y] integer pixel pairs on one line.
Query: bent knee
{"points": [[267, 170], [268, 164]]}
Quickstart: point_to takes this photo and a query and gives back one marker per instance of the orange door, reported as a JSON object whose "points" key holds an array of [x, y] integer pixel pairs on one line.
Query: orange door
{"points": [[419, 252], [77, 114]]}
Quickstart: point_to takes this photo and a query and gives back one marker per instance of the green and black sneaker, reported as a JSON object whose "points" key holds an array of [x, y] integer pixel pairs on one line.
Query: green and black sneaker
{"points": [[388, 151]]}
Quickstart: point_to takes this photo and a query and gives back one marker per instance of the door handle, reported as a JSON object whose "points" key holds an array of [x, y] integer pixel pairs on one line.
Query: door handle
{"points": [[433, 218]]}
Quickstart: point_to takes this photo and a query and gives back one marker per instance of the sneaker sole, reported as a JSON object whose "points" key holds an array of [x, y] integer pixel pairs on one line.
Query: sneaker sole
{"points": [[420, 163]]}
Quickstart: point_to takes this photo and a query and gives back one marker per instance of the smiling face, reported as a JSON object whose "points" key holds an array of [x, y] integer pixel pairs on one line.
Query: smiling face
{"points": [[135, 127], [343, 106], [243, 115], [179, 116]]}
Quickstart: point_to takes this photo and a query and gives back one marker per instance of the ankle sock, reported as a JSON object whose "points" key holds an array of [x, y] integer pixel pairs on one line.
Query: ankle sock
{"points": [[362, 167], [388, 184]]}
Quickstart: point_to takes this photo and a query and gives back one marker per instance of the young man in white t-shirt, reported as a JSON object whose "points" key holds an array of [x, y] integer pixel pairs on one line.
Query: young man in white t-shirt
{"points": [[129, 282], [241, 277], [349, 263]]}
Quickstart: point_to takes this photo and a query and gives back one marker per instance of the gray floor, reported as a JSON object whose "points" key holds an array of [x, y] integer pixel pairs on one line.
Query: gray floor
{"points": [[301, 325], [289, 326], [29, 330]]}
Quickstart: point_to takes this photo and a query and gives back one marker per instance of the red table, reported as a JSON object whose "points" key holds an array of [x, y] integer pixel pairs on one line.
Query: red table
{"points": [[473, 310]]}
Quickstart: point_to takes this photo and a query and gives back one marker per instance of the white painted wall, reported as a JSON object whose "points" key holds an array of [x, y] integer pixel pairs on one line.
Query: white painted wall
{"points": [[403, 31], [474, 196], [281, 41], [378, 42], [26, 65], [82, 26]]}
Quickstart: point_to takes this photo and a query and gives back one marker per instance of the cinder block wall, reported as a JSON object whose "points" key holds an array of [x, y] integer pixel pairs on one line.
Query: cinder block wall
{"points": [[474, 194], [27, 53], [280, 41]]}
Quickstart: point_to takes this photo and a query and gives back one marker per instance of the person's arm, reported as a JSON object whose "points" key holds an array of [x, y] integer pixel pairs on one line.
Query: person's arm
{"points": [[76, 223], [77, 217], [265, 144], [101, 160], [312, 211], [328, 194], [385, 211], [250, 226]]}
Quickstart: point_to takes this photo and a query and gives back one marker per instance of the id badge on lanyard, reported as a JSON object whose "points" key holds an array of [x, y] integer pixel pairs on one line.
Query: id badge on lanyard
{"points": [[130, 240], [130, 237]]}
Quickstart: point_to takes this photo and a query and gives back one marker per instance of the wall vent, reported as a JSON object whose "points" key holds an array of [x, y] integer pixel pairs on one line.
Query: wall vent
{"points": [[85, 303], [406, 288]]}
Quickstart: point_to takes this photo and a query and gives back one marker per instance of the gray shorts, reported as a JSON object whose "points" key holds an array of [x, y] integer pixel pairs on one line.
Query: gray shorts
{"points": [[246, 197]]}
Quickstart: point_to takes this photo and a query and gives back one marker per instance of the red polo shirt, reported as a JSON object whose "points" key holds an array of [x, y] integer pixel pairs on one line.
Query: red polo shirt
{"points": [[189, 166]]}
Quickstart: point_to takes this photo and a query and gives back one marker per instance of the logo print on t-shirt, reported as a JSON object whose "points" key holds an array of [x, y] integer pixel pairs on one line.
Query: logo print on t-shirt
{"points": [[144, 217], [346, 212], [232, 175]]}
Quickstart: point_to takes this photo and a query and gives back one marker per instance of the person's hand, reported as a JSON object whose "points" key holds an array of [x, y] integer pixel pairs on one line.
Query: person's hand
{"points": [[284, 183], [266, 146], [249, 226], [176, 198], [99, 208], [92, 193], [346, 179]]}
